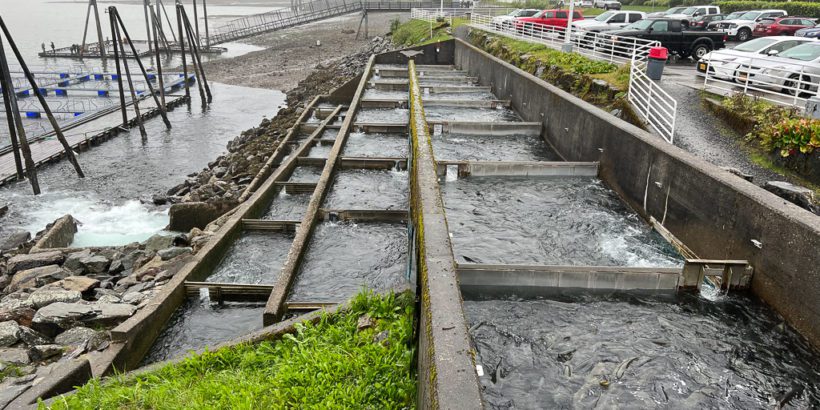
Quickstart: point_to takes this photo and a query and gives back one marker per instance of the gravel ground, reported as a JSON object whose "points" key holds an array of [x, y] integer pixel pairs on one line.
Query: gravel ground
{"points": [[290, 54]]}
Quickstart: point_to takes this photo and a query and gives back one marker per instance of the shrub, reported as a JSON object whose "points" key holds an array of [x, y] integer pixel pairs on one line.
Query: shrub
{"points": [[795, 134], [794, 8], [394, 25]]}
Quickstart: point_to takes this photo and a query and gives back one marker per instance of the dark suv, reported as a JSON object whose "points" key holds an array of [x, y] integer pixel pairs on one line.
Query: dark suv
{"points": [[700, 22]]}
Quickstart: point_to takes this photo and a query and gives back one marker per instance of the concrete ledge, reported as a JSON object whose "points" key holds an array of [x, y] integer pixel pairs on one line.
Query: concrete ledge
{"points": [[523, 168], [432, 102], [60, 380], [500, 129], [373, 163], [364, 215]]}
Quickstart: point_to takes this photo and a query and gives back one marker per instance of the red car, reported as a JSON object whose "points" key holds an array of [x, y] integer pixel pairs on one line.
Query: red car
{"points": [[782, 26], [546, 18]]}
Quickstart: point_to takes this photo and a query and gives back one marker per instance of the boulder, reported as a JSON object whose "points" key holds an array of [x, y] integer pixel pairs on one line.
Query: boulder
{"points": [[185, 216], [14, 355], [34, 260], [57, 317], [156, 243], [14, 240], [159, 199], [9, 333], [133, 298], [36, 277], [46, 296], [77, 336], [43, 352], [81, 284], [32, 338], [116, 267], [171, 253], [111, 313], [72, 261], [95, 264], [21, 313]]}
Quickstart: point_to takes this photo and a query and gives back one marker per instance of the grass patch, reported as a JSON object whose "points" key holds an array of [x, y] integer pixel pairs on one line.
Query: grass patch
{"points": [[417, 32], [329, 364], [572, 62]]}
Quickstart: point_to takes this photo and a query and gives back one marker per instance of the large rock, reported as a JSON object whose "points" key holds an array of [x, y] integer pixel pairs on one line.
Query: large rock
{"points": [[14, 240], [9, 333], [14, 355], [95, 264], [36, 277], [60, 316], [156, 243], [32, 338], [43, 352], [81, 284], [78, 336], [171, 253], [185, 216], [72, 261], [20, 312], [34, 260], [46, 296], [798, 195]]}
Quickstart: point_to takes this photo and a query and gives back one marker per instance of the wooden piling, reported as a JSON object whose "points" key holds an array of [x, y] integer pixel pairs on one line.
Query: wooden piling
{"points": [[205, 14], [100, 38], [161, 81], [112, 11], [182, 48], [162, 111], [68, 152], [195, 48], [12, 111], [85, 29]]}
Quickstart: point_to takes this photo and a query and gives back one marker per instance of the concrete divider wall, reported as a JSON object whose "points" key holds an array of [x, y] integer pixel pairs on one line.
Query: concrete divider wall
{"points": [[435, 54], [718, 215]]}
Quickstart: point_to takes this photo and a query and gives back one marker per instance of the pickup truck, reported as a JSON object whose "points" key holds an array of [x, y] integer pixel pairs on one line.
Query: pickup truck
{"points": [[671, 35]]}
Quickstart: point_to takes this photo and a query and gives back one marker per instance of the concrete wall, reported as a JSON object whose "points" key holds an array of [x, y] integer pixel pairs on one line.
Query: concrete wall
{"points": [[715, 213], [435, 53]]}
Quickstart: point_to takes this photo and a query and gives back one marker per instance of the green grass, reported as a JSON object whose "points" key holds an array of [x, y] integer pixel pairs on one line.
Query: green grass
{"points": [[573, 62], [329, 364], [418, 32]]}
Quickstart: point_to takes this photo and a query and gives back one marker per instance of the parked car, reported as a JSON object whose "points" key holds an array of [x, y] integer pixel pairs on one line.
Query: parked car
{"points": [[783, 26], [689, 13], [673, 10], [546, 18], [700, 22], [506, 21], [809, 32], [712, 26], [609, 20], [607, 4], [794, 71], [741, 27], [671, 34], [587, 4], [724, 63]]}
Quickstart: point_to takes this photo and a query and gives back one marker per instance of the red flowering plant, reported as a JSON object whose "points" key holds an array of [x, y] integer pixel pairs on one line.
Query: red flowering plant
{"points": [[791, 135]]}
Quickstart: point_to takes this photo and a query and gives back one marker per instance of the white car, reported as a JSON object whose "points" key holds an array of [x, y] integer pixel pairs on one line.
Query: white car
{"points": [[506, 21], [795, 71], [673, 10], [610, 20], [741, 28], [689, 13], [724, 63]]}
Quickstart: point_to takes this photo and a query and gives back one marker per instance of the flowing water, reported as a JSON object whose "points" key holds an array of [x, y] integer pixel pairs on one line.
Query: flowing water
{"points": [[548, 221], [344, 258], [305, 174], [287, 207], [492, 148], [255, 258], [372, 93], [500, 114], [383, 115], [320, 151], [361, 144], [628, 351], [368, 189], [124, 169]]}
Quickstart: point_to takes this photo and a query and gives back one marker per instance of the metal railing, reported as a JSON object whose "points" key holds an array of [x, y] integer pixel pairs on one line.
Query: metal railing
{"points": [[651, 102], [436, 13], [598, 46], [778, 80]]}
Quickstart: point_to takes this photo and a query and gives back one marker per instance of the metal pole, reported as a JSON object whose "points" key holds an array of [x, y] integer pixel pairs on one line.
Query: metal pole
{"points": [[113, 24], [182, 47], [128, 74], [85, 29], [205, 13], [99, 29], [15, 121], [142, 69], [10, 99], [69, 153], [146, 5], [159, 62], [568, 43]]}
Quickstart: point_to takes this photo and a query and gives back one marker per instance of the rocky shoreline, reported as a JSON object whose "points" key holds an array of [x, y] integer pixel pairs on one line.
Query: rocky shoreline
{"points": [[59, 303]]}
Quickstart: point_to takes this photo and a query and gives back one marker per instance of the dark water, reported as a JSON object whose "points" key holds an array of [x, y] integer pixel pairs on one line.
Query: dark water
{"points": [[368, 189], [199, 324], [548, 221], [492, 148], [383, 115], [500, 114], [122, 170], [343, 258], [305, 174], [287, 207], [679, 352], [361, 144], [254, 258]]}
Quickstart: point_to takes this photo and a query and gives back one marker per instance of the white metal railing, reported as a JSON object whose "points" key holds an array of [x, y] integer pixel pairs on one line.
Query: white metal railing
{"points": [[778, 80], [434, 14], [651, 102], [599, 46]]}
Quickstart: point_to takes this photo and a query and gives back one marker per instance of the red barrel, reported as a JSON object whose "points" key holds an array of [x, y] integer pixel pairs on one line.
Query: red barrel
{"points": [[658, 53]]}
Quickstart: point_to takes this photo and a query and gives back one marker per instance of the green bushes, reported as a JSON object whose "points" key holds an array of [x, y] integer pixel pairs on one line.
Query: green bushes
{"points": [[795, 134], [794, 8], [330, 364]]}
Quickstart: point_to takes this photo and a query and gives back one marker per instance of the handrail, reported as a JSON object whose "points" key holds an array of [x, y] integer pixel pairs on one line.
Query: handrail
{"points": [[654, 104]]}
